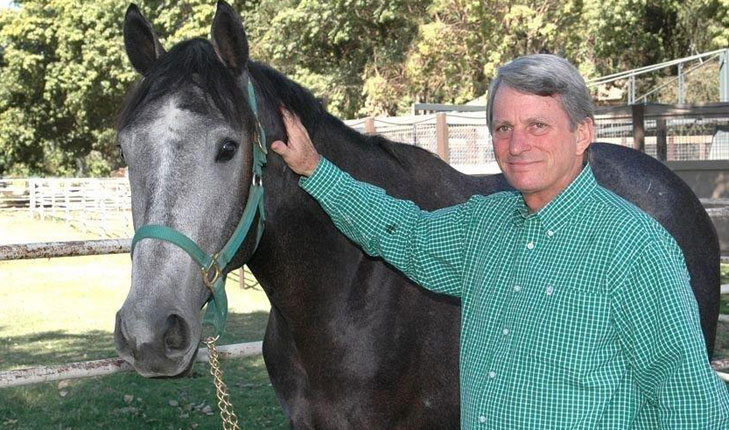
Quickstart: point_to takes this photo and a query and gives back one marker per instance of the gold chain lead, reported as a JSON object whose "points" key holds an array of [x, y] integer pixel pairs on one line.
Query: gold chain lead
{"points": [[227, 414]]}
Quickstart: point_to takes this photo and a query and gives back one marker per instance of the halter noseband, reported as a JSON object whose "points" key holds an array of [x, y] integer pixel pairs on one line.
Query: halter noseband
{"points": [[213, 266]]}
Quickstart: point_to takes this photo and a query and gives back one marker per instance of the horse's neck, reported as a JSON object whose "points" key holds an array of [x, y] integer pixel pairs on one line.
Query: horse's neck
{"points": [[299, 235]]}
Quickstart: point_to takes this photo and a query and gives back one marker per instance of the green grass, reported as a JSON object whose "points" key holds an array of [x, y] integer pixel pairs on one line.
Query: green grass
{"points": [[62, 310], [128, 401]]}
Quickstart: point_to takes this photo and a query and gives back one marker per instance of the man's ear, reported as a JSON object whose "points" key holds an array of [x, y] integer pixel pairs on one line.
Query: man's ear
{"points": [[585, 135]]}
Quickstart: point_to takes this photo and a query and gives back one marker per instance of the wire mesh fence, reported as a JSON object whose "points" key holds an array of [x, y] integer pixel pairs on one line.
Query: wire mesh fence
{"points": [[688, 133]]}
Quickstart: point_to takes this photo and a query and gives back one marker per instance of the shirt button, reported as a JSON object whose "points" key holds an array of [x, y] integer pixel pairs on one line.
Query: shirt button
{"points": [[505, 332], [482, 419], [517, 288], [492, 374], [549, 290], [550, 233], [530, 245]]}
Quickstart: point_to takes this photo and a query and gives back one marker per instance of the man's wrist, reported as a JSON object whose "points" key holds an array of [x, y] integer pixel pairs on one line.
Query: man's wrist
{"points": [[312, 170], [322, 180]]}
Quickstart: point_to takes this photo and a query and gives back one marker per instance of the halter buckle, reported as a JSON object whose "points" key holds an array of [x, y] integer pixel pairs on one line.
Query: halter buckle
{"points": [[209, 280], [258, 133]]}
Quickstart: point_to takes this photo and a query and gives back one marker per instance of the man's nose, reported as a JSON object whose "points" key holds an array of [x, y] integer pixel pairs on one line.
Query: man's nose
{"points": [[518, 143]]}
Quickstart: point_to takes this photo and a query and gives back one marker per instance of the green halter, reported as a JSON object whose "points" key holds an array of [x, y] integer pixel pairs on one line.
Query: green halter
{"points": [[213, 266]]}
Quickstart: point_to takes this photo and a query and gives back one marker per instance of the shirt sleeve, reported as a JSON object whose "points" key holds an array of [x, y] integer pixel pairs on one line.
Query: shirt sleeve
{"points": [[659, 330], [428, 247]]}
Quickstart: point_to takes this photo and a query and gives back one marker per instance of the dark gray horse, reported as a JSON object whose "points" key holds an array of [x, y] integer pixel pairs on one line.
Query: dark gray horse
{"points": [[350, 342]]}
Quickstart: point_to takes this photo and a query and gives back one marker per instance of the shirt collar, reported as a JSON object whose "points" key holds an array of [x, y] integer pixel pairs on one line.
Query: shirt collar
{"points": [[562, 208]]}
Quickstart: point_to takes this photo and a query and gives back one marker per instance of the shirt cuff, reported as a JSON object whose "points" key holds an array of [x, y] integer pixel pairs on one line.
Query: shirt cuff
{"points": [[322, 180]]}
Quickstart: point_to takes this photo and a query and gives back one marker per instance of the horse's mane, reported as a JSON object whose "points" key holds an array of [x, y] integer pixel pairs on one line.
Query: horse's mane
{"points": [[299, 100], [194, 62]]}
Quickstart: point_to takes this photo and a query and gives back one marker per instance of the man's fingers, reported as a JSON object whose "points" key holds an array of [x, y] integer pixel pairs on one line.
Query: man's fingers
{"points": [[279, 147], [292, 123], [299, 152]]}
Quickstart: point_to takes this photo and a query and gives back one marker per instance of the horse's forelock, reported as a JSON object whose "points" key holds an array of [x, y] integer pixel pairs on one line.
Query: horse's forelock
{"points": [[190, 64]]}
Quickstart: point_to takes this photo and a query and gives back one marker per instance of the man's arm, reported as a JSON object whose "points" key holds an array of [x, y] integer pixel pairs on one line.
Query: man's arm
{"points": [[425, 246], [658, 324]]}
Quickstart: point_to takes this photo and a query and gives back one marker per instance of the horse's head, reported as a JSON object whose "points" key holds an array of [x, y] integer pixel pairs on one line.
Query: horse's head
{"points": [[186, 134]]}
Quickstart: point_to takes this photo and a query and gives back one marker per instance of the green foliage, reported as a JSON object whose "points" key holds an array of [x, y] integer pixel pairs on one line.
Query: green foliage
{"points": [[64, 73], [334, 46], [63, 77]]}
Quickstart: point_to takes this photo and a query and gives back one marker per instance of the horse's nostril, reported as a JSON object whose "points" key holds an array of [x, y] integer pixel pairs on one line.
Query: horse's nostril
{"points": [[177, 335]]}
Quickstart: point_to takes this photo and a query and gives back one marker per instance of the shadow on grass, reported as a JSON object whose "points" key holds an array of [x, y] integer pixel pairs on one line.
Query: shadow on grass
{"points": [[58, 347], [128, 401]]}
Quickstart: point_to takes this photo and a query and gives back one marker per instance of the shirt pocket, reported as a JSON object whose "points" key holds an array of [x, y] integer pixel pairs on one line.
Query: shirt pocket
{"points": [[572, 332]]}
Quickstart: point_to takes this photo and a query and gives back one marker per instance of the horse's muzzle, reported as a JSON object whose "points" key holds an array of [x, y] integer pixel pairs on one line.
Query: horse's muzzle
{"points": [[156, 346]]}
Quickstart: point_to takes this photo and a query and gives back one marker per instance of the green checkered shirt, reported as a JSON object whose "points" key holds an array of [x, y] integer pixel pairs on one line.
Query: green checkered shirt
{"points": [[579, 316]]}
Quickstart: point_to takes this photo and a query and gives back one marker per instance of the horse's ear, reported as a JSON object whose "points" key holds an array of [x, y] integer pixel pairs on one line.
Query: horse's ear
{"points": [[229, 38], [140, 40]]}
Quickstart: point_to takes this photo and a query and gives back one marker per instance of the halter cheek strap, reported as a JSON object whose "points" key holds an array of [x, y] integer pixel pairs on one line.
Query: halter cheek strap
{"points": [[213, 267]]}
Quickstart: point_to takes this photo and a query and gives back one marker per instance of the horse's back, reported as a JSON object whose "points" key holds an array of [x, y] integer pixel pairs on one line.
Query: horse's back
{"points": [[653, 187]]}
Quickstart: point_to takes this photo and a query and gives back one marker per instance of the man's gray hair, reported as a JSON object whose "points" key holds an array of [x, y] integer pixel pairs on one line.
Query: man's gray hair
{"points": [[545, 75]]}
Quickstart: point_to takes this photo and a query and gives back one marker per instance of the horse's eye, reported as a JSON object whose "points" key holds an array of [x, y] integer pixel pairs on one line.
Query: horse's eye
{"points": [[227, 151]]}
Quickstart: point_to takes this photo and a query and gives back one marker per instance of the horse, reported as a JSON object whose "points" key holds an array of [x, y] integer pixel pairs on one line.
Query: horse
{"points": [[350, 342]]}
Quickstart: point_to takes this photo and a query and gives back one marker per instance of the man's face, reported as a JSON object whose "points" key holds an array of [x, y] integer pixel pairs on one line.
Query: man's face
{"points": [[534, 145]]}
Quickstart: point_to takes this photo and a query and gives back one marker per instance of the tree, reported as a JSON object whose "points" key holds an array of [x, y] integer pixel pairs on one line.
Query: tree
{"points": [[334, 46], [64, 75]]}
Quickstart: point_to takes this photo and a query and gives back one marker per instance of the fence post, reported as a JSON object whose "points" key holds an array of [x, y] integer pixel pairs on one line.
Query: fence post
{"points": [[681, 84], [31, 193], [724, 76], [661, 149], [369, 124], [67, 202], [638, 127], [54, 190], [441, 136]]}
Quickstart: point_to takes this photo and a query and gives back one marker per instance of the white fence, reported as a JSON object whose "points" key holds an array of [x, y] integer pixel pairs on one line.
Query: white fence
{"points": [[96, 205], [60, 197], [56, 196]]}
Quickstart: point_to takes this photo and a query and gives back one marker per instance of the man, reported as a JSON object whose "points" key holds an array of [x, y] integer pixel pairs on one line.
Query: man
{"points": [[576, 306]]}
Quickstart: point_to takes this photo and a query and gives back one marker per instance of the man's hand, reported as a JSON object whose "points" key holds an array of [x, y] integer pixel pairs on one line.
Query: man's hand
{"points": [[300, 154]]}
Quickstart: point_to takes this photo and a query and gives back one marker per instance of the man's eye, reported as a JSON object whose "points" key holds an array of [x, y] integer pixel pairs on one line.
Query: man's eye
{"points": [[539, 127], [502, 129]]}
